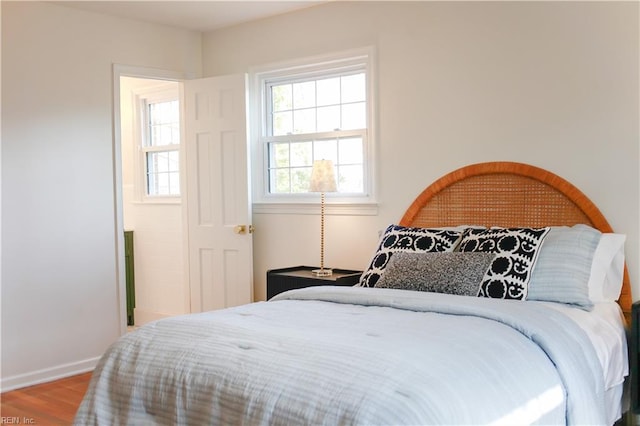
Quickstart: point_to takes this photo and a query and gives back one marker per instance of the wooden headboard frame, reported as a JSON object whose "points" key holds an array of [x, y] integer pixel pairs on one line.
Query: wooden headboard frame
{"points": [[508, 194]]}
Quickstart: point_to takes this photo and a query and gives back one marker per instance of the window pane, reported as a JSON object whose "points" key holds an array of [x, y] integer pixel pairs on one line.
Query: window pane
{"points": [[350, 179], [304, 121], [301, 154], [353, 88], [326, 150], [151, 163], [281, 97], [161, 162], [328, 91], [350, 151], [328, 118], [354, 116], [152, 187], [164, 135], [174, 161], [163, 123], [163, 183], [279, 181], [300, 180], [154, 113], [282, 123], [279, 154], [159, 184], [304, 95]]}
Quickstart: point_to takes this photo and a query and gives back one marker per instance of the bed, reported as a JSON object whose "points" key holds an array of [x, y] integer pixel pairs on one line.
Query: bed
{"points": [[412, 343]]}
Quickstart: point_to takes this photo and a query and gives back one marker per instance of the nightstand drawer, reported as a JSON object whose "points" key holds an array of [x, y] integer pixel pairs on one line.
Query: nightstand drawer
{"points": [[280, 280]]}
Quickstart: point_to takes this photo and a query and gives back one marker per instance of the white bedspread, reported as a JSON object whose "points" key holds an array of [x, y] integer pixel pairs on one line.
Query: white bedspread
{"points": [[355, 356]]}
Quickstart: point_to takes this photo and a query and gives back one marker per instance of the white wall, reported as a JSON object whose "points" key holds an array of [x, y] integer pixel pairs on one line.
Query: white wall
{"points": [[546, 83], [59, 280], [160, 286]]}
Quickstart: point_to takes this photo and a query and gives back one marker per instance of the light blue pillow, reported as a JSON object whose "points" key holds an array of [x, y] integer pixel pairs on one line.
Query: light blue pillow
{"points": [[564, 265]]}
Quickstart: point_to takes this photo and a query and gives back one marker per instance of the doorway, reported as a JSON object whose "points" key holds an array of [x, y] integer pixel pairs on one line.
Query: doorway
{"points": [[212, 216], [150, 198]]}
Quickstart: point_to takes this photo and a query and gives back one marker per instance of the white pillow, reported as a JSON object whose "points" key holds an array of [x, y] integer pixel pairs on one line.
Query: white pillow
{"points": [[607, 268]]}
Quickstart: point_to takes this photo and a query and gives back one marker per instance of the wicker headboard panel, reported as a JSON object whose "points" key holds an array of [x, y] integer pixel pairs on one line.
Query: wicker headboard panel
{"points": [[507, 194]]}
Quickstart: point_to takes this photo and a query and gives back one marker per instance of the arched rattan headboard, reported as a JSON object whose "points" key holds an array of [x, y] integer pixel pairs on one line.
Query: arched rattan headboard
{"points": [[508, 194]]}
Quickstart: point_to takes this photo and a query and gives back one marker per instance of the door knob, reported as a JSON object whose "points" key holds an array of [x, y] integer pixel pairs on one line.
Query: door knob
{"points": [[242, 229]]}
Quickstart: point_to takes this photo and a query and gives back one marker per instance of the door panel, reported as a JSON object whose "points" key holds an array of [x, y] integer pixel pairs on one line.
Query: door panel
{"points": [[216, 149]]}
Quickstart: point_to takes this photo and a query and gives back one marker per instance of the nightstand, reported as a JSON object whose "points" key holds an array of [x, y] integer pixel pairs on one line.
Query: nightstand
{"points": [[280, 280], [634, 357]]}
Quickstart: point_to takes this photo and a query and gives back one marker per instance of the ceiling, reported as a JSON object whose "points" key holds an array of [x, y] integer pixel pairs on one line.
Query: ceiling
{"points": [[207, 15]]}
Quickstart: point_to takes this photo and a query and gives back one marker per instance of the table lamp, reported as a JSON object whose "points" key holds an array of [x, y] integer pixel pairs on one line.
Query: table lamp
{"points": [[322, 180]]}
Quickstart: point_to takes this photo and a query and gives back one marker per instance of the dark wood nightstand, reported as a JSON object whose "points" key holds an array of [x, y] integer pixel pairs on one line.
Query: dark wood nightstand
{"points": [[634, 357], [280, 280]]}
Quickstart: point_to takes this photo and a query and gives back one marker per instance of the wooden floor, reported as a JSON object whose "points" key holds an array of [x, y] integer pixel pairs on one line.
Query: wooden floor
{"points": [[53, 403]]}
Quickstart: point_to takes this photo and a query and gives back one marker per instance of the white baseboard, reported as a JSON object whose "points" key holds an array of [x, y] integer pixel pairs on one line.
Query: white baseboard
{"points": [[47, 374]]}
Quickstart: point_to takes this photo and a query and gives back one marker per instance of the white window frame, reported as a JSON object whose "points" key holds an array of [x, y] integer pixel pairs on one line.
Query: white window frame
{"points": [[142, 96], [337, 203]]}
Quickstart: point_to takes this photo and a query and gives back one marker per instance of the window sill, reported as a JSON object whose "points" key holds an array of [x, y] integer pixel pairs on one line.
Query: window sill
{"points": [[350, 209]]}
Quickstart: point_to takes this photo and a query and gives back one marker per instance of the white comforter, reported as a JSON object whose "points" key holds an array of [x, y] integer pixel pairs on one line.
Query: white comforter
{"points": [[340, 355]]}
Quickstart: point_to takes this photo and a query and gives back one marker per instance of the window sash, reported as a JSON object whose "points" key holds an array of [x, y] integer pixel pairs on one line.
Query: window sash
{"points": [[349, 163], [269, 84], [164, 177], [152, 177]]}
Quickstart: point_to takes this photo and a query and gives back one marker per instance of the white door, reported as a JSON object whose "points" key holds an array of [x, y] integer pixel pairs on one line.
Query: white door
{"points": [[220, 241]]}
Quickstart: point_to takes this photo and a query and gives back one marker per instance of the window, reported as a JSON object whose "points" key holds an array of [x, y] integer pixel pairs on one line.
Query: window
{"points": [[161, 144], [159, 160], [315, 109]]}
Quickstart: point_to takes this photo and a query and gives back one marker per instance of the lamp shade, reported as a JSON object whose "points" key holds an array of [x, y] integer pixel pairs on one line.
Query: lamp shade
{"points": [[323, 178]]}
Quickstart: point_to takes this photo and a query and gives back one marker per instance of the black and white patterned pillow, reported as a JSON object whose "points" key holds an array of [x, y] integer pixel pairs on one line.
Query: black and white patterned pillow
{"points": [[398, 238], [516, 254]]}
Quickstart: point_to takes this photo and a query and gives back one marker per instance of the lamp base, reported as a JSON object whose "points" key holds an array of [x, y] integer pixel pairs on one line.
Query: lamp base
{"points": [[322, 272]]}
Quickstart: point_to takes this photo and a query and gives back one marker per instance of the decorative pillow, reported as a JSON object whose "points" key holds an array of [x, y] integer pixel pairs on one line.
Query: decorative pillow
{"points": [[452, 273], [516, 252], [398, 238], [607, 268], [564, 265]]}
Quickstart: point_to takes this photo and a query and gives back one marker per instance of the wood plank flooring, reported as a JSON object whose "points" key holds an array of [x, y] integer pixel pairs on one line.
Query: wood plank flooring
{"points": [[53, 403]]}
